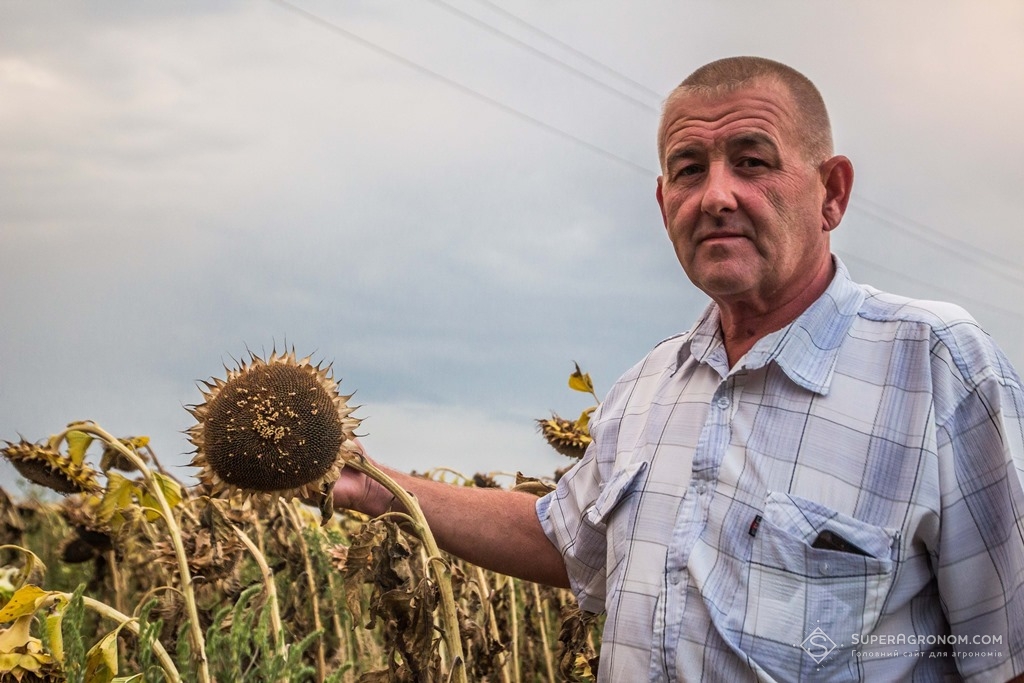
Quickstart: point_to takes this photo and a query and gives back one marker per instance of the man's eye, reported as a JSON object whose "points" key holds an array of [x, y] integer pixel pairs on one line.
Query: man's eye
{"points": [[691, 169], [751, 162]]}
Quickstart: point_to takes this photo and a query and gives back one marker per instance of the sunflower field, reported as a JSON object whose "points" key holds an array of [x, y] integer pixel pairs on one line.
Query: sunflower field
{"points": [[251, 575]]}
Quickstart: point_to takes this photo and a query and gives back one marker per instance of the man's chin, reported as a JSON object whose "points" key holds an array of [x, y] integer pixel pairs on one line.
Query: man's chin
{"points": [[724, 279]]}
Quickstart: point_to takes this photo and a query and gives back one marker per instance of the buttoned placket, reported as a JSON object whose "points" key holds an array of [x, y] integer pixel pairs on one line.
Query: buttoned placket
{"points": [[692, 517]]}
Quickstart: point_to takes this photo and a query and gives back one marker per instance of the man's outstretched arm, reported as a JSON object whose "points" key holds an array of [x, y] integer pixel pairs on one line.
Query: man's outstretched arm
{"points": [[493, 528]]}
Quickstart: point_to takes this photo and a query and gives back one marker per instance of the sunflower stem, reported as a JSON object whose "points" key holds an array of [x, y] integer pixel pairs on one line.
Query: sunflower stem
{"points": [[543, 627], [442, 571], [492, 622], [271, 588], [513, 618], [118, 580], [195, 627], [314, 592]]}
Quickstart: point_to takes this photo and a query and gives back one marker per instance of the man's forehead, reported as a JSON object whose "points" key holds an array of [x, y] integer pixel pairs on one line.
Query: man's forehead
{"points": [[749, 114]]}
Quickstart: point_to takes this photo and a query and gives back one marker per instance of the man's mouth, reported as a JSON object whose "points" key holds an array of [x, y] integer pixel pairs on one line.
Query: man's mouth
{"points": [[721, 237]]}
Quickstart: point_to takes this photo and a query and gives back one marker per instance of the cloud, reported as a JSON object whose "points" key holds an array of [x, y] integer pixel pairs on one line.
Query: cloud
{"points": [[181, 183], [420, 436]]}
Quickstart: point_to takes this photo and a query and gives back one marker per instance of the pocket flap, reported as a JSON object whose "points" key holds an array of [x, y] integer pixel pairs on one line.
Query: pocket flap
{"points": [[621, 483], [806, 519]]}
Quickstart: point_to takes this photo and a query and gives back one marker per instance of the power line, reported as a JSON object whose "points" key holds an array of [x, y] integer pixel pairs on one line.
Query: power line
{"points": [[959, 248], [890, 217], [953, 294], [543, 55], [565, 46], [370, 45]]}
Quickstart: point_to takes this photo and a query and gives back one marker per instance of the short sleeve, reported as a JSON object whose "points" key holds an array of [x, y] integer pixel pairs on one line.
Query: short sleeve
{"points": [[583, 544], [980, 559]]}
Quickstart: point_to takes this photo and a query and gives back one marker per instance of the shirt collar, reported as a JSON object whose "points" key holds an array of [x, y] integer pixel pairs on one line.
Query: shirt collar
{"points": [[806, 349]]}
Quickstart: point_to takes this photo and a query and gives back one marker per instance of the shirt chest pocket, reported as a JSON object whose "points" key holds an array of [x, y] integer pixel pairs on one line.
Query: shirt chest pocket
{"points": [[814, 568], [614, 514]]}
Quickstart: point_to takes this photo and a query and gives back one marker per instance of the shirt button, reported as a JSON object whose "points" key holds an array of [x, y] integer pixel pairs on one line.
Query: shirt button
{"points": [[825, 568], [723, 402], [674, 578], [702, 489]]}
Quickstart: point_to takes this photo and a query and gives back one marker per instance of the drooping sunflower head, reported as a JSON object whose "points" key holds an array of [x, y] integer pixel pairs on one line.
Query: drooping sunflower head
{"points": [[43, 465], [565, 436], [273, 427], [90, 536], [11, 525]]}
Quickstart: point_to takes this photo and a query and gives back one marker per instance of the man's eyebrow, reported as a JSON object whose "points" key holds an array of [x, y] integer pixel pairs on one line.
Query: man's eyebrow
{"points": [[753, 139], [683, 154]]}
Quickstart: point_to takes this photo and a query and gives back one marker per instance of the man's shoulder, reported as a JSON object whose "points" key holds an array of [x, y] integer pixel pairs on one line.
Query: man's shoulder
{"points": [[954, 337], [941, 322], [882, 306]]}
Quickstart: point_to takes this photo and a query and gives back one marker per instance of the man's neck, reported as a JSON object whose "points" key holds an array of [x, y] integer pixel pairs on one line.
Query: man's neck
{"points": [[744, 325]]}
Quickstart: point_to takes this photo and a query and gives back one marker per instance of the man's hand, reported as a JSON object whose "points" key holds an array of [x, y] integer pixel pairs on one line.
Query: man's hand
{"points": [[356, 491], [493, 528]]}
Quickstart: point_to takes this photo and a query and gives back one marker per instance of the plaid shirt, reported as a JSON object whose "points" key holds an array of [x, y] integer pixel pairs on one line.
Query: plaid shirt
{"points": [[845, 504]]}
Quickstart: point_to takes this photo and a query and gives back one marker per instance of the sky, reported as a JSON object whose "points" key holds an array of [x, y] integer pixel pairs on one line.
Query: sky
{"points": [[450, 200]]}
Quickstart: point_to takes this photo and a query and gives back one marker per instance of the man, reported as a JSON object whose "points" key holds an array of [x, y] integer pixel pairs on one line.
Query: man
{"points": [[818, 481]]}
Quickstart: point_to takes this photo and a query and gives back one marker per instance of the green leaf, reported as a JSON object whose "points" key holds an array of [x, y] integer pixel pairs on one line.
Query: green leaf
{"points": [[117, 499], [170, 488], [580, 381], [53, 624], [78, 443], [150, 506]]}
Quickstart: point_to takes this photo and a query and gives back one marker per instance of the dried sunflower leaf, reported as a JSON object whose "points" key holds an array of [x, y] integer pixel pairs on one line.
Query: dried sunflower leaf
{"points": [[16, 636], [101, 660], [580, 381], [583, 422], [32, 564], [26, 600], [136, 441], [78, 443]]}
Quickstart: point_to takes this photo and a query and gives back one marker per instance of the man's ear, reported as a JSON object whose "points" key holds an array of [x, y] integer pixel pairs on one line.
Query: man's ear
{"points": [[837, 177], [661, 200]]}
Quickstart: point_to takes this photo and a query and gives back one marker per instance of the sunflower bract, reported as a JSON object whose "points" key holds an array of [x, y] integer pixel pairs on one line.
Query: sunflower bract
{"points": [[43, 465]]}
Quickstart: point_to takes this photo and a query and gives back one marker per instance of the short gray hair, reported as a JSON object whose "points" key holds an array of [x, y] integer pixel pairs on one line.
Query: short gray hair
{"points": [[733, 73]]}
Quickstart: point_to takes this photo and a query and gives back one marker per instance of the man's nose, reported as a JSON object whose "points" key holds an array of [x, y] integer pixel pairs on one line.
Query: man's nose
{"points": [[719, 190]]}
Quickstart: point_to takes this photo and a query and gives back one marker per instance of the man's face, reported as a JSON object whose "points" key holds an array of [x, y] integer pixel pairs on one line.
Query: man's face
{"points": [[741, 203]]}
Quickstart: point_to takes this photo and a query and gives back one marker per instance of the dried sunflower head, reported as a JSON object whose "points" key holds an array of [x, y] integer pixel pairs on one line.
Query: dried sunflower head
{"points": [[11, 524], [48, 467], [273, 427], [208, 557], [112, 458], [565, 436], [90, 535], [23, 657]]}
